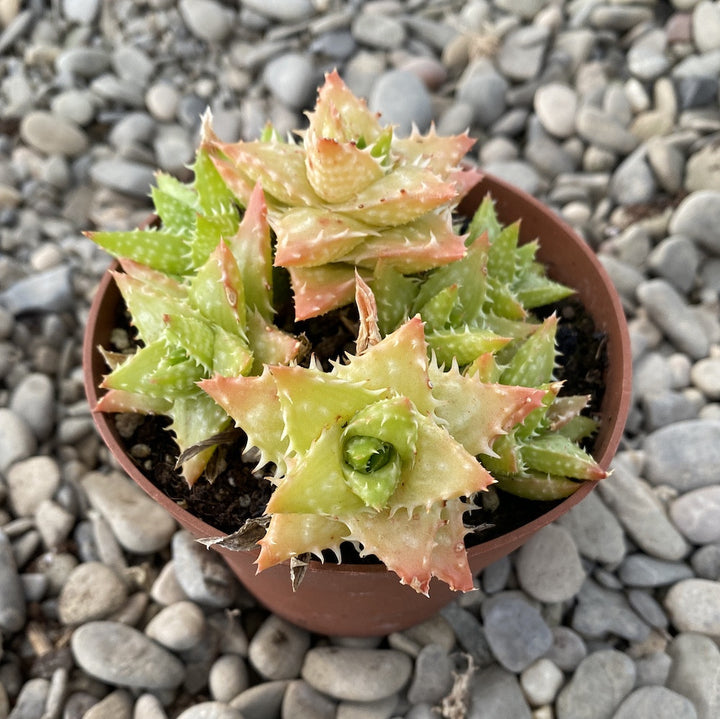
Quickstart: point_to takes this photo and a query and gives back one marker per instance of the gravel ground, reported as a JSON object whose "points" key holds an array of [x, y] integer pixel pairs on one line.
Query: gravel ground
{"points": [[606, 110]]}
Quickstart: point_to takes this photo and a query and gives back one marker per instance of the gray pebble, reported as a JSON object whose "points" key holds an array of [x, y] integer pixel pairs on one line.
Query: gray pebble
{"points": [[655, 703], [92, 591], [30, 482], [677, 260], [122, 656], [515, 631], [228, 677], [161, 100], [495, 577], [132, 178], [174, 150], [484, 91], [652, 669], [278, 649], [706, 562], [601, 611], [54, 523], [80, 11], [30, 703], [356, 674], [520, 174], [74, 105], [556, 105], [86, 62], [647, 607], [595, 530], [378, 31], [522, 51], [116, 705], [210, 710], [12, 597], [701, 170], [48, 291], [380, 709], [698, 217], [668, 164], [288, 11], [694, 671], [693, 606], [541, 682], [178, 627], [684, 455], [697, 515], [705, 375], [262, 701], [201, 573], [302, 700], [33, 400], [133, 129], [148, 706], [639, 570], [669, 311], [432, 678], [469, 633], [131, 63], [548, 565], [496, 693], [291, 79], [52, 135], [598, 686], [207, 19], [706, 26], [568, 648], [633, 181], [401, 99], [139, 524], [603, 130]]}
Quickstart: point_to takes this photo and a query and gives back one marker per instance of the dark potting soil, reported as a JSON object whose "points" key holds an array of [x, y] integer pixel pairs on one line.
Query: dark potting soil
{"points": [[239, 490]]}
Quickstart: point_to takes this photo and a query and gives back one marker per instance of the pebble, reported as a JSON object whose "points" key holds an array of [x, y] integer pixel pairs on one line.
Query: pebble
{"points": [[432, 677], [676, 259], [162, 100], [228, 677], [48, 291], [288, 11], [356, 674], [694, 670], [378, 31], [207, 20], [92, 591], [51, 134], [693, 606], [138, 523], [633, 182], [698, 217], [555, 105], [292, 80], [496, 693], [262, 700], [639, 570], [402, 100], [484, 91], [684, 454], [541, 682], [596, 532], [201, 574], [278, 649], [30, 482], [515, 631], [132, 178], [34, 400], [83, 12], [548, 565], [116, 705], [655, 703], [122, 656], [697, 515], [178, 627], [522, 51], [600, 683], [12, 598], [210, 710]]}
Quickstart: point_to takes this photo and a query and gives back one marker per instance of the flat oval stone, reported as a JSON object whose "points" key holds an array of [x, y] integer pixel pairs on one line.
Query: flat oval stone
{"points": [[210, 710], [123, 656], [656, 702], [694, 606], [52, 135], [548, 565], [356, 674], [698, 217], [694, 669], [697, 515], [278, 649], [600, 683], [178, 627], [684, 455], [140, 525], [92, 591]]}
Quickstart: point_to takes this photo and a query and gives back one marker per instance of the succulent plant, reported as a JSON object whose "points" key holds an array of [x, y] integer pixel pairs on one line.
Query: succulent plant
{"points": [[350, 195], [199, 293], [451, 388]]}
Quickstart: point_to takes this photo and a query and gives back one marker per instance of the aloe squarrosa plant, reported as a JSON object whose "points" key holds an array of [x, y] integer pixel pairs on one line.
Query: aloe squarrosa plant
{"points": [[450, 388]]}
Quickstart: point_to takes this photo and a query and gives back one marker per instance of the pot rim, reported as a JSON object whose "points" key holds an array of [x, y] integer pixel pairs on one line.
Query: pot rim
{"points": [[620, 363]]}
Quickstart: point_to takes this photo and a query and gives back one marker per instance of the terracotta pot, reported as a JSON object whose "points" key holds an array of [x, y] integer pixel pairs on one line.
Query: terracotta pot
{"points": [[362, 600]]}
